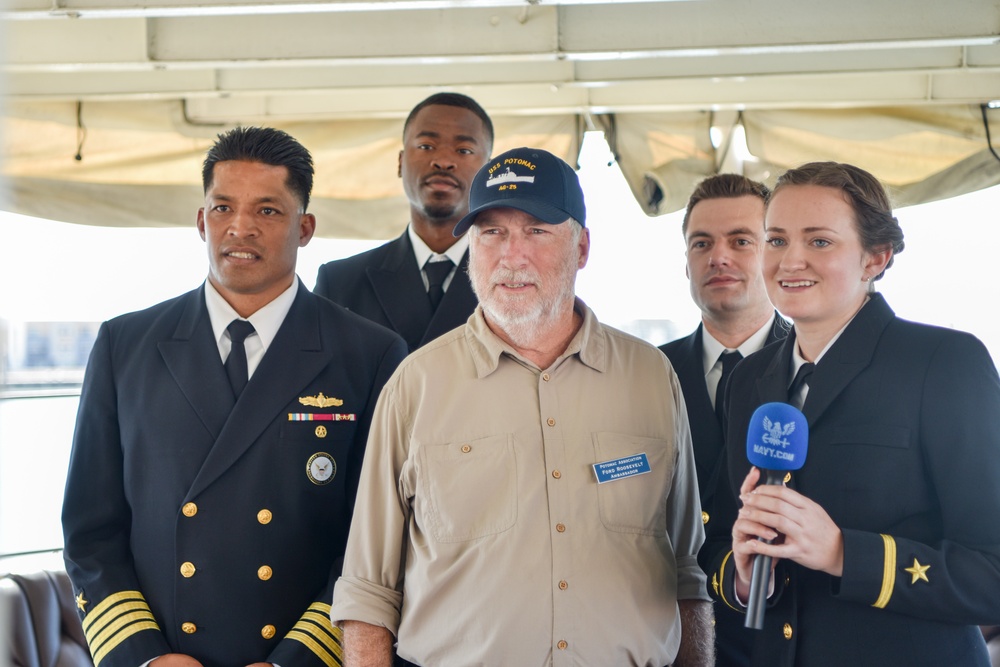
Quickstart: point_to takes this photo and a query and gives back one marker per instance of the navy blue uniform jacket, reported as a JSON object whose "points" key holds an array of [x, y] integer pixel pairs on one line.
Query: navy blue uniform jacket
{"points": [[904, 455], [197, 526], [385, 286], [732, 640]]}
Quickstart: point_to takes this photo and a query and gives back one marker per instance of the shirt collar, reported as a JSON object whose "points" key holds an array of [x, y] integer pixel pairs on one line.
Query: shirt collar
{"points": [[422, 252], [589, 343], [711, 348], [798, 359], [266, 321]]}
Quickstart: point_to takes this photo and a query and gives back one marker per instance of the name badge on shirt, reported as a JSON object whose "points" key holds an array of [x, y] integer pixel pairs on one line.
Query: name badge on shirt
{"points": [[629, 466]]}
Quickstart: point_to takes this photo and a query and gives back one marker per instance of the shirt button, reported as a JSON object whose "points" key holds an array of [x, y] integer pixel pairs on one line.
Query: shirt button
{"points": [[556, 474], [466, 449], [560, 528], [187, 570], [563, 585], [562, 645], [704, 517], [788, 477], [264, 573], [189, 509], [264, 517], [546, 377], [267, 632], [787, 630], [550, 421], [189, 628]]}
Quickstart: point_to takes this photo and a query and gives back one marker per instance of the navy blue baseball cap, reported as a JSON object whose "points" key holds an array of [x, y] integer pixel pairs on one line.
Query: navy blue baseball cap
{"points": [[528, 179]]}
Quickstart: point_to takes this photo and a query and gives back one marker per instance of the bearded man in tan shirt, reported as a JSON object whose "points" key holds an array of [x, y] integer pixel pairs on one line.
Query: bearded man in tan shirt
{"points": [[528, 495]]}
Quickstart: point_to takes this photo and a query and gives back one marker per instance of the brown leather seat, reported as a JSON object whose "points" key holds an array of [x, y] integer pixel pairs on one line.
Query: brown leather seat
{"points": [[44, 627]]}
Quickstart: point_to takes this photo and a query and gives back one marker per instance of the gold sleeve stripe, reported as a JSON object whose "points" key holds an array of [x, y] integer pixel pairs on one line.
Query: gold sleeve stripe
{"points": [[322, 620], [888, 573], [123, 628], [122, 636], [321, 607], [722, 585], [316, 631], [109, 602], [113, 619], [328, 658], [322, 632]]}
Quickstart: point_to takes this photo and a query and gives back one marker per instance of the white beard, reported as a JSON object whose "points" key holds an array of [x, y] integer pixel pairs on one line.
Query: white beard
{"points": [[524, 318]]}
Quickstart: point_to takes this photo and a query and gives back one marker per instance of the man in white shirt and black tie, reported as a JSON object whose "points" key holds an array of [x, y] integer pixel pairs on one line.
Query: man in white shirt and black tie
{"points": [[417, 284], [724, 233]]}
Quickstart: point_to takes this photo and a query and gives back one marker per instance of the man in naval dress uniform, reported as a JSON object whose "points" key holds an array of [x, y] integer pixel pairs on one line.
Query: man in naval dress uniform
{"points": [[219, 440]]}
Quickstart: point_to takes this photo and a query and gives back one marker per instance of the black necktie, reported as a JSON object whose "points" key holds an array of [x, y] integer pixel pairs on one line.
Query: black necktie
{"points": [[729, 361], [236, 362], [436, 273], [801, 378]]}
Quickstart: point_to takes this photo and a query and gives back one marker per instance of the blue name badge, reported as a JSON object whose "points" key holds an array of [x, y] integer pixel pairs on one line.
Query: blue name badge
{"points": [[629, 466]]}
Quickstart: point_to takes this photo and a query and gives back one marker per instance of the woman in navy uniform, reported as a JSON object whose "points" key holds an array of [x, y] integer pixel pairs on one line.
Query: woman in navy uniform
{"points": [[887, 542]]}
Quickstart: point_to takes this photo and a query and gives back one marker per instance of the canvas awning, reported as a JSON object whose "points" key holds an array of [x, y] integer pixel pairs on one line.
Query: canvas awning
{"points": [[894, 86]]}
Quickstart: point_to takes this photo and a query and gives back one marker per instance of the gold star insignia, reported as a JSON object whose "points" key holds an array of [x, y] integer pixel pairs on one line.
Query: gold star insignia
{"points": [[918, 571], [715, 582], [81, 603]]}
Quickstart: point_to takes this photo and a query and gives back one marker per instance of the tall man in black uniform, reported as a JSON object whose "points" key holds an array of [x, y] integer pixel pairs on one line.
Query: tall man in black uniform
{"points": [[724, 230], [417, 285], [219, 440]]}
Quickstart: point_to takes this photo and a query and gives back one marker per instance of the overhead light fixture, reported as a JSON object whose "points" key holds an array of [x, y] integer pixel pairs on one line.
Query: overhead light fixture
{"points": [[993, 104]]}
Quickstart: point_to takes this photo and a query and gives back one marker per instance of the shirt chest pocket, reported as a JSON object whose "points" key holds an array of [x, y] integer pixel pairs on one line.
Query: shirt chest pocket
{"points": [[470, 487], [636, 504]]}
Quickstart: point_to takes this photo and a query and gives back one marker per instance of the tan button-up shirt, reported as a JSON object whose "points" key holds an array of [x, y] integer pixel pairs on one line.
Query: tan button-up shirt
{"points": [[481, 535]]}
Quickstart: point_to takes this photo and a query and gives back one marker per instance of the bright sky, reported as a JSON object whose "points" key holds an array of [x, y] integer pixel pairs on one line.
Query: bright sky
{"points": [[58, 271]]}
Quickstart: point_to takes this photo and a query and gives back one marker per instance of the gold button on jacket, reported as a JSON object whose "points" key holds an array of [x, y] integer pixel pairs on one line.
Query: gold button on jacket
{"points": [[188, 570], [189, 509], [264, 573]]}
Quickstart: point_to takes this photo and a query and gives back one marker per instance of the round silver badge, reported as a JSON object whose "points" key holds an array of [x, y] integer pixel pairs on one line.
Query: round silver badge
{"points": [[321, 468]]}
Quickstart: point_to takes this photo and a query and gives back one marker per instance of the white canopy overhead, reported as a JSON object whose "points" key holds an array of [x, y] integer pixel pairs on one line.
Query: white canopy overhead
{"points": [[893, 86]]}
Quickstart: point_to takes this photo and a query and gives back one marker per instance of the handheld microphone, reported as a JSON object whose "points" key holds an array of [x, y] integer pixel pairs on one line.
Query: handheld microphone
{"points": [[777, 441]]}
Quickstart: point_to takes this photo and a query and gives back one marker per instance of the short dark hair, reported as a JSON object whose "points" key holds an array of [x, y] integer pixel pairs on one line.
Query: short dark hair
{"points": [[724, 186], [454, 100], [265, 145], [877, 228]]}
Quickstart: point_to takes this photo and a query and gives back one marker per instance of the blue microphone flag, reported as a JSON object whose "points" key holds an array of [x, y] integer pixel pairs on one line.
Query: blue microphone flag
{"points": [[778, 437]]}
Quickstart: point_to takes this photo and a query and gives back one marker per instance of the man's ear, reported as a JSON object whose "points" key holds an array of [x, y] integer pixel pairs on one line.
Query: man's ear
{"points": [[201, 223], [307, 227]]}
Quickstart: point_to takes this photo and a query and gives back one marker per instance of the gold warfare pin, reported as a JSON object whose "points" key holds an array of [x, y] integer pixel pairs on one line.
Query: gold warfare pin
{"points": [[321, 401]]}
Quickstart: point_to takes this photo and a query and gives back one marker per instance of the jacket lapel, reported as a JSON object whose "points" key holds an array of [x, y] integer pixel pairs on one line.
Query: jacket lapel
{"points": [[779, 329], [399, 289], [772, 385], [295, 357], [850, 355], [192, 357], [705, 427]]}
